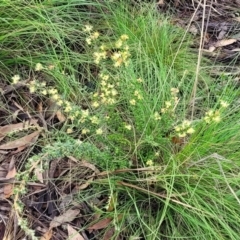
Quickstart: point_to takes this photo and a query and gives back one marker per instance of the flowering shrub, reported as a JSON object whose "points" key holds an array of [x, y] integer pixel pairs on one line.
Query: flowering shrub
{"points": [[122, 105]]}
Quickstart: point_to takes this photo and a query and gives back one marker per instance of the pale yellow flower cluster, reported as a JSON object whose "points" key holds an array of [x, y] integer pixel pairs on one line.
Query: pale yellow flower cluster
{"points": [[107, 93], [184, 128], [92, 35], [35, 85], [212, 116], [149, 162], [98, 56], [170, 105], [128, 126], [121, 57], [138, 95], [224, 104], [140, 80], [15, 79], [39, 67], [156, 116]]}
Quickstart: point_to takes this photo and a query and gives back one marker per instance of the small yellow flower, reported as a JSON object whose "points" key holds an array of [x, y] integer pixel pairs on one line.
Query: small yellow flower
{"points": [[111, 101], [94, 120], [156, 116], [52, 91], [15, 79], [136, 92], [186, 123], [182, 134], [32, 88], [174, 91], [85, 131], [124, 37], [51, 67], [39, 67], [190, 131], [71, 117], [55, 97], [44, 92], [89, 40], [114, 92], [60, 102], [224, 104], [118, 63], [88, 28], [103, 83], [132, 102], [43, 84], [85, 113], [163, 110], [177, 128], [105, 77], [149, 162], [106, 91], [157, 154], [110, 85], [207, 119], [95, 35], [99, 131], [139, 80], [119, 43], [128, 127], [68, 109], [125, 55], [69, 130], [77, 113], [116, 56], [216, 119], [103, 47], [95, 104], [168, 104]]}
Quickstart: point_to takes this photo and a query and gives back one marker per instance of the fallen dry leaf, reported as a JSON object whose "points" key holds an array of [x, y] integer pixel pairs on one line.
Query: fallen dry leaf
{"points": [[90, 178], [161, 3], [24, 141], [109, 233], [68, 216], [16, 127], [8, 188], [47, 235], [101, 224], [225, 42], [60, 116], [73, 234], [39, 174]]}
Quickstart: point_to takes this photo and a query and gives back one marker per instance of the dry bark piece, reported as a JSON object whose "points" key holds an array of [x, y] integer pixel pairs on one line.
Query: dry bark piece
{"points": [[68, 216], [8, 188], [73, 234], [47, 235], [225, 42]]}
